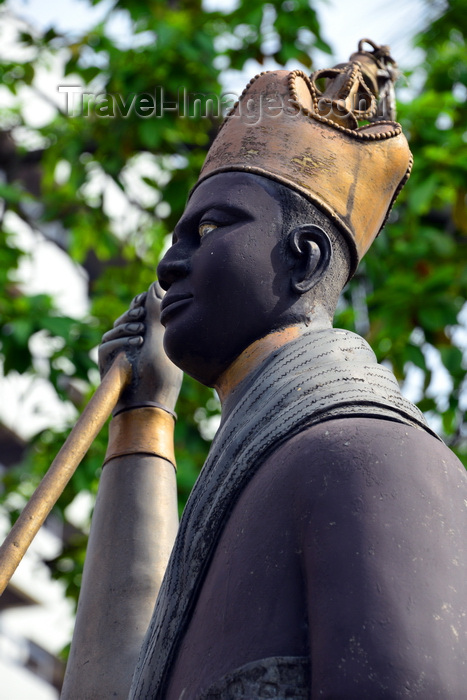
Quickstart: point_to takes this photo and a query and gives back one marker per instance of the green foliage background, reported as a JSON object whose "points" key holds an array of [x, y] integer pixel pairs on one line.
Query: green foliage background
{"points": [[406, 297]]}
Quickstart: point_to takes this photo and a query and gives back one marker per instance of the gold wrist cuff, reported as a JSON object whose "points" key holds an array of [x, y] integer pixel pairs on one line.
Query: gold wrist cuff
{"points": [[147, 430]]}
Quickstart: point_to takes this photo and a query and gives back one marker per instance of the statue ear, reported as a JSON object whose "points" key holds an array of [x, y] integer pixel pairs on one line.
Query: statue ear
{"points": [[312, 251]]}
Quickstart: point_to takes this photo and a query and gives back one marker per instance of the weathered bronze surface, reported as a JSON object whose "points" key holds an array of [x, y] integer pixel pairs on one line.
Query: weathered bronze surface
{"points": [[322, 552]]}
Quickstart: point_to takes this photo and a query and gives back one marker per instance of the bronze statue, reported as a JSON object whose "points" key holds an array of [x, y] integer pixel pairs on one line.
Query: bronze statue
{"points": [[322, 550]]}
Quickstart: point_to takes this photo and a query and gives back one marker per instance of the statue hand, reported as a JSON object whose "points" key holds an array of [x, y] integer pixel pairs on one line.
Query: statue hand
{"points": [[139, 334]]}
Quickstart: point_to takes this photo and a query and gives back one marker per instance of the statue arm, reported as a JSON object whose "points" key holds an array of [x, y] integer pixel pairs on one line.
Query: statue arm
{"points": [[134, 523]]}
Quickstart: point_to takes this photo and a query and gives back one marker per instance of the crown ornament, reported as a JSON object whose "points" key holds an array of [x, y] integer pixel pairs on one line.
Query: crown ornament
{"points": [[362, 89], [330, 136]]}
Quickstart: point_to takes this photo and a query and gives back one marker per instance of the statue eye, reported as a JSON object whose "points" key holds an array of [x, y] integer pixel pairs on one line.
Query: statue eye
{"points": [[203, 229]]}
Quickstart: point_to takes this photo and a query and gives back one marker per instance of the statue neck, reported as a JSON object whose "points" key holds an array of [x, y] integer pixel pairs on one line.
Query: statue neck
{"points": [[253, 356]]}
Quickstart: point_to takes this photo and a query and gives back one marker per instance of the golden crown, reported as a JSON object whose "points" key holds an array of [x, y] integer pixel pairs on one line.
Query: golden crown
{"points": [[290, 128]]}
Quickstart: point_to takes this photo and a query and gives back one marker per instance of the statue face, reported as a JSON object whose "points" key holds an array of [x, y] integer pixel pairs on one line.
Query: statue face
{"points": [[226, 274]]}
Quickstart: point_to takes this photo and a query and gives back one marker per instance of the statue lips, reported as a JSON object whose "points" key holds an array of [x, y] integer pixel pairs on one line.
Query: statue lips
{"points": [[171, 303]]}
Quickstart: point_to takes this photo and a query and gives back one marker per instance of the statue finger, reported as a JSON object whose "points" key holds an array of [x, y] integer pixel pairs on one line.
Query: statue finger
{"points": [[133, 314], [153, 301], [138, 300], [124, 330], [113, 347], [157, 290], [109, 350]]}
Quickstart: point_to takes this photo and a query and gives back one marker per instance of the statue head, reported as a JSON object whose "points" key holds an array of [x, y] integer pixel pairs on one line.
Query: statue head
{"points": [[292, 194], [249, 257]]}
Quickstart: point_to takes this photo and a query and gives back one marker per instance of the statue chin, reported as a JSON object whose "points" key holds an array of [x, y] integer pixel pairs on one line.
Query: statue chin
{"points": [[205, 369]]}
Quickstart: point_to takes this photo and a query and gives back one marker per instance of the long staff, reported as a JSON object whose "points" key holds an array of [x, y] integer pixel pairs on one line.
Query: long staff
{"points": [[63, 467]]}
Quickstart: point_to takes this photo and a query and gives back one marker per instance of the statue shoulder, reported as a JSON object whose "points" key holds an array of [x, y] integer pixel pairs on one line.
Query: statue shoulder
{"points": [[367, 480], [359, 455], [362, 438]]}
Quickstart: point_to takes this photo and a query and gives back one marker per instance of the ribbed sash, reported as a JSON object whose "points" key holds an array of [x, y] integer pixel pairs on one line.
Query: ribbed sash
{"points": [[316, 377]]}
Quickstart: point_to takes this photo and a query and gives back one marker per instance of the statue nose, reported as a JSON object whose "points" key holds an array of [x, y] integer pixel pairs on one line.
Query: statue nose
{"points": [[174, 266]]}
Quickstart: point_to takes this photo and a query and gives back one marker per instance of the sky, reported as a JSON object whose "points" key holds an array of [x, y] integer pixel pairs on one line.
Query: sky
{"points": [[343, 22]]}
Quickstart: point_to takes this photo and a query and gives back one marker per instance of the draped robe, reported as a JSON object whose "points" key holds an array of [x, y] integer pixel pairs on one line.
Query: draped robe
{"points": [[317, 379]]}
